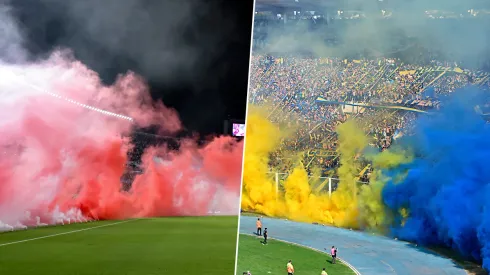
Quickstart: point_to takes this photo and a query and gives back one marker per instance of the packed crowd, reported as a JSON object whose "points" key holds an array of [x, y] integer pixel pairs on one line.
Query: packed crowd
{"points": [[138, 143], [291, 85]]}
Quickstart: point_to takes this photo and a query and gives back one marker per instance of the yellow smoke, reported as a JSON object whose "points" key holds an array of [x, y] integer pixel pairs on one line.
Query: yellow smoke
{"points": [[351, 143], [374, 213], [352, 205], [259, 190], [371, 206]]}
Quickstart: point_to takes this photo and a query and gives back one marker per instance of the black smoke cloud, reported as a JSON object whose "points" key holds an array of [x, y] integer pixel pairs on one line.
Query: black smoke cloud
{"points": [[187, 50], [166, 40]]}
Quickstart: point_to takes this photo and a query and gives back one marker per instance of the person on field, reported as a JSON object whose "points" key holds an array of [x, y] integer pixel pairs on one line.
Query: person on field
{"points": [[265, 236], [290, 268], [259, 227], [324, 272], [333, 253]]}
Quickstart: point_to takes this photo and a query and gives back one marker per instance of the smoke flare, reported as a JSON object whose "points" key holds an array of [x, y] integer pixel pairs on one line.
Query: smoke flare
{"points": [[63, 154], [430, 188]]}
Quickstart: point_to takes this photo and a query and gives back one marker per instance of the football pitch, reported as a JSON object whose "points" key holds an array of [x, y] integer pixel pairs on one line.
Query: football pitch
{"points": [[177, 245], [272, 258]]}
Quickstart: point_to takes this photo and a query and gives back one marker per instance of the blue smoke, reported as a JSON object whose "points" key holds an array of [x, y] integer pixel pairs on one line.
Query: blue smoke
{"points": [[447, 187], [429, 92]]}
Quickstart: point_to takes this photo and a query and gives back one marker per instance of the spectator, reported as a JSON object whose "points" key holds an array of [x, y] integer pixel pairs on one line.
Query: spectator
{"points": [[291, 84]]}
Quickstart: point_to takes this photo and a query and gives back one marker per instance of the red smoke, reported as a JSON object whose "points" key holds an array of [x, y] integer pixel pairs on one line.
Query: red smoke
{"points": [[59, 157]]}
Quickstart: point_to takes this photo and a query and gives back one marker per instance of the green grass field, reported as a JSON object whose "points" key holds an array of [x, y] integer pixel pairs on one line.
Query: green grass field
{"points": [[180, 245], [271, 259]]}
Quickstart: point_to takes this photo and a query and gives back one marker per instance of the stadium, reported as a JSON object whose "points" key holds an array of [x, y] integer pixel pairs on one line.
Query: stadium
{"points": [[366, 131], [105, 206], [115, 156], [144, 176]]}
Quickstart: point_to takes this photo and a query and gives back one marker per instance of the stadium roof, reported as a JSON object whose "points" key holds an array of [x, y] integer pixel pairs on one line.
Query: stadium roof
{"points": [[262, 5], [267, 5]]}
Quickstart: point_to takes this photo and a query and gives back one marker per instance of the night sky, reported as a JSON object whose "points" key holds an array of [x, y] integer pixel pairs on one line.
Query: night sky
{"points": [[193, 53]]}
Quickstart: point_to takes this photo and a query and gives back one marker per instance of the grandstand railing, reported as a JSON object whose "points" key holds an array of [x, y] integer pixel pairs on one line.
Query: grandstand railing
{"points": [[325, 184]]}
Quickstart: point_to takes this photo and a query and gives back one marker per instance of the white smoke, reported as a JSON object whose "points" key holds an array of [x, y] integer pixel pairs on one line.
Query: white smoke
{"points": [[11, 38]]}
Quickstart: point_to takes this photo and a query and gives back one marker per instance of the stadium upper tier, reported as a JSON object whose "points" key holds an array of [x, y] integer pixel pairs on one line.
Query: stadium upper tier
{"points": [[294, 4], [323, 5], [335, 9]]}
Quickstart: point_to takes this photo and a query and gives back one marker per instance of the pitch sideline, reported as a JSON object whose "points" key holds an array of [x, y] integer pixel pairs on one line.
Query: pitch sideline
{"points": [[65, 233], [311, 248]]}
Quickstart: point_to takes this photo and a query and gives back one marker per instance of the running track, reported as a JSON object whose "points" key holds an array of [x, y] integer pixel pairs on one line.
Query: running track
{"points": [[369, 254]]}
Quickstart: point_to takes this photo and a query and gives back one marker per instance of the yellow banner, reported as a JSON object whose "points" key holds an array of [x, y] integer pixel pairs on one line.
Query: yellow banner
{"points": [[320, 153], [439, 69], [407, 72]]}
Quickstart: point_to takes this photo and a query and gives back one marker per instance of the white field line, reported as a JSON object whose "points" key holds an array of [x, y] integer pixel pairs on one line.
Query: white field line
{"points": [[311, 248], [64, 233]]}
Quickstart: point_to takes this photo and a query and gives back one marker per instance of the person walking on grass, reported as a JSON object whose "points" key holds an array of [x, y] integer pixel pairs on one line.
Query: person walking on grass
{"points": [[333, 253], [259, 227], [265, 236], [290, 268], [324, 272]]}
